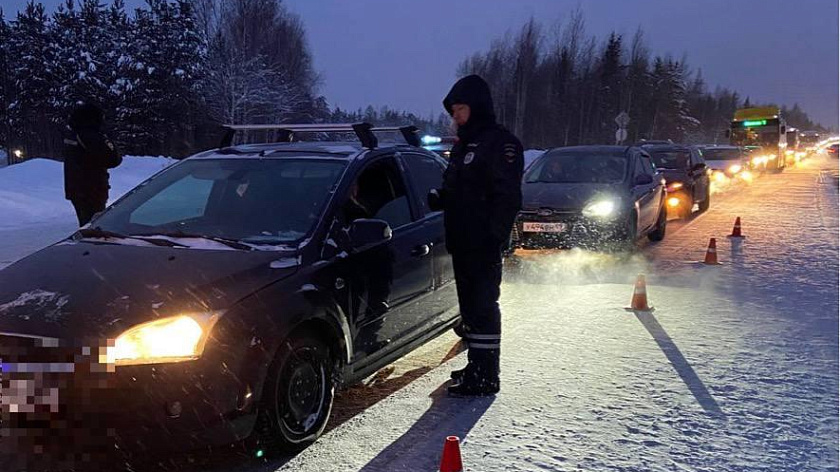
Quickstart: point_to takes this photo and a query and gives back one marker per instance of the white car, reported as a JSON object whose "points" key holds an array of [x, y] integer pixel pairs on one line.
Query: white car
{"points": [[728, 160]]}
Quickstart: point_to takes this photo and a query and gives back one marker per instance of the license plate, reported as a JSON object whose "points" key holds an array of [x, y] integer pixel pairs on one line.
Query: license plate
{"points": [[530, 227]]}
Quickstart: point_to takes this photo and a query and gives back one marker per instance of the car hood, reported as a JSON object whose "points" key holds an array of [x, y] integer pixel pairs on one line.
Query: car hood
{"points": [[90, 290], [566, 196]]}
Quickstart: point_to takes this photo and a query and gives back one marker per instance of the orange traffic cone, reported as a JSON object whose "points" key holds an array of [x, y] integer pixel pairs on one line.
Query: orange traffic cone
{"points": [[736, 230], [451, 460], [639, 301], [711, 253]]}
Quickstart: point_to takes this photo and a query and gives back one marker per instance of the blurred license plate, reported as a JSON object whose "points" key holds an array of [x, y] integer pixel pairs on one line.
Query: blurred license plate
{"points": [[543, 227]]}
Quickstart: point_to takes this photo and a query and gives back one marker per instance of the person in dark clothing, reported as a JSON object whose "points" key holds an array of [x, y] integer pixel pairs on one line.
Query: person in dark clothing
{"points": [[88, 154], [480, 198]]}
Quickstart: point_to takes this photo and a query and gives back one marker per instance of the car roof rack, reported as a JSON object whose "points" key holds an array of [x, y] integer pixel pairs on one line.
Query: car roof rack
{"points": [[364, 131]]}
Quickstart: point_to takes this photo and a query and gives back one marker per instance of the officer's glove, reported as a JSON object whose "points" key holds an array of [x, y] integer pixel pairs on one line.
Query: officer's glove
{"points": [[435, 200]]}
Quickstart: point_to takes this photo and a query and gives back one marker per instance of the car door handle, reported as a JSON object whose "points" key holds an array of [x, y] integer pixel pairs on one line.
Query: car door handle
{"points": [[421, 251]]}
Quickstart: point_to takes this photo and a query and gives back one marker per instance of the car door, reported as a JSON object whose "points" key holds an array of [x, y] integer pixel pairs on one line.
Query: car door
{"points": [[699, 176], [426, 173], [645, 194], [391, 277], [657, 201]]}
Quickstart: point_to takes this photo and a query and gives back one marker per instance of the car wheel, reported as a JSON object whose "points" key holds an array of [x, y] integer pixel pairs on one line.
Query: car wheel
{"points": [[658, 233], [459, 328], [297, 396], [704, 205], [627, 237]]}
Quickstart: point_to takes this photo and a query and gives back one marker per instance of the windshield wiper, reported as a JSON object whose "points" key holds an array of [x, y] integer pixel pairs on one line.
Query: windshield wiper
{"points": [[232, 243], [98, 232]]}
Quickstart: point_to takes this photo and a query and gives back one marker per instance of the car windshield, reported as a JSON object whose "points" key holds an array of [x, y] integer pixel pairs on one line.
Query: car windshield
{"points": [[669, 159], [256, 201], [727, 154], [578, 167]]}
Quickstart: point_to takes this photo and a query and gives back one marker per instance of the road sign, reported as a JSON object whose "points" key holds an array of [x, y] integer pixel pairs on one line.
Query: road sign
{"points": [[620, 135], [622, 120]]}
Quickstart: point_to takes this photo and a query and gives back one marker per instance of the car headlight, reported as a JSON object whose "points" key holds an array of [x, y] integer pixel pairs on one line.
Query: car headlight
{"points": [[735, 168], [173, 339], [674, 186], [600, 209], [674, 202]]}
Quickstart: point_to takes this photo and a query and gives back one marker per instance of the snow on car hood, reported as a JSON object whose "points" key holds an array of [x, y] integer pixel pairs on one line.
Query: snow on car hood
{"points": [[98, 290]]}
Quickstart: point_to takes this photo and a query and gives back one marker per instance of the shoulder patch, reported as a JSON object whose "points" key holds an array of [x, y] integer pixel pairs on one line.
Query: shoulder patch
{"points": [[510, 151]]}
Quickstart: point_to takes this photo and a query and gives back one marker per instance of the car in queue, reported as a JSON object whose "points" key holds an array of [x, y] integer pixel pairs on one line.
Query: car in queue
{"points": [[228, 296], [600, 197], [686, 177], [832, 150], [725, 162]]}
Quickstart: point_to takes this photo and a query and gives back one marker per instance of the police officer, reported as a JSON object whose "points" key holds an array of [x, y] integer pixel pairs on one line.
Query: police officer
{"points": [[480, 198], [88, 155]]}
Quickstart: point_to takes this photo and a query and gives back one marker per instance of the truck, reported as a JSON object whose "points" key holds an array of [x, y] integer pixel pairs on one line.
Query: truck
{"points": [[763, 132]]}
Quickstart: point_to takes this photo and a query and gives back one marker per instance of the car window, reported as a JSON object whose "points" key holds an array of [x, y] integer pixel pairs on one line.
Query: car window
{"points": [[670, 159], [184, 199], [271, 201], [648, 166], [583, 166], [379, 193], [426, 174]]}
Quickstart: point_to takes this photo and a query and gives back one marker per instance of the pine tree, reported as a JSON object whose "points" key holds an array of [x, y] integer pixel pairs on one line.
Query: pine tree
{"points": [[6, 88], [33, 73]]}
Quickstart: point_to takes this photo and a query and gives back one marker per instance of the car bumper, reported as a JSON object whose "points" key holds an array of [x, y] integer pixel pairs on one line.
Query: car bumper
{"points": [[59, 408], [579, 231]]}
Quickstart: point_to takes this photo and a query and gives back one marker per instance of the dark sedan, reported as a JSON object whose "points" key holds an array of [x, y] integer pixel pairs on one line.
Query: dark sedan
{"points": [[228, 296], [591, 196], [686, 176]]}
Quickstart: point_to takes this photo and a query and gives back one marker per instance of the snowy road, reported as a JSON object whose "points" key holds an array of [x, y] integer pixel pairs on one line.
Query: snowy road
{"points": [[736, 370]]}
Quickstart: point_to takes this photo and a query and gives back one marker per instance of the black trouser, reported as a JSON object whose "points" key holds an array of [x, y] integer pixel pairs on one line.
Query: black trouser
{"points": [[477, 278], [86, 208]]}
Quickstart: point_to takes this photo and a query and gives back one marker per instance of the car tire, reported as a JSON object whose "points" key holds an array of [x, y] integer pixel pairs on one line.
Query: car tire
{"points": [[458, 328], [706, 203], [658, 233], [627, 237], [297, 397]]}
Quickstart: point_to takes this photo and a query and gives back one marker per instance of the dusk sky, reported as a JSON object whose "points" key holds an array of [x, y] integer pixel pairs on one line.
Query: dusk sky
{"points": [[405, 54]]}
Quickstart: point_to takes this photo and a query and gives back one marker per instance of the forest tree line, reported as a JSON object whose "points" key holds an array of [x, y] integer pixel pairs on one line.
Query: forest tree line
{"points": [[170, 73]]}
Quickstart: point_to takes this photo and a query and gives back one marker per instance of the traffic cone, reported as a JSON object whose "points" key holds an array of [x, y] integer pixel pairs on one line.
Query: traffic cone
{"points": [[711, 253], [451, 460], [639, 301], [736, 230]]}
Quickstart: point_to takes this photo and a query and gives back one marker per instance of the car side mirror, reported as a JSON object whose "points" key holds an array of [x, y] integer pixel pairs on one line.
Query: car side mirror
{"points": [[643, 179], [365, 233]]}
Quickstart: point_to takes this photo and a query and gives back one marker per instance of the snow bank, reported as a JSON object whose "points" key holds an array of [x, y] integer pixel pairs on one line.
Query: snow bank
{"points": [[32, 192]]}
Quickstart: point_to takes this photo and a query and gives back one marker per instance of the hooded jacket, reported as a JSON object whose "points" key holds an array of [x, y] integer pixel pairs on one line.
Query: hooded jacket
{"points": [[482, 192], [88, 155]]}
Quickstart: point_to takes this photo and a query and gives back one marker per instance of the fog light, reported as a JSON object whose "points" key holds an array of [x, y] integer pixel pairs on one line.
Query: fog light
{"points": [[673, 202], [174, 409]]}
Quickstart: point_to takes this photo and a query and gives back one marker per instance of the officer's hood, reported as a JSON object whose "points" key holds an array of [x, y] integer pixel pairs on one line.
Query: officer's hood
{"points": [[86, 116], [472, 90]]}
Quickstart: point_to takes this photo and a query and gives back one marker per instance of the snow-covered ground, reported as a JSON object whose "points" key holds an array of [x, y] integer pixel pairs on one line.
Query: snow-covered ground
{"points": [[736, 370], [33, 211]]}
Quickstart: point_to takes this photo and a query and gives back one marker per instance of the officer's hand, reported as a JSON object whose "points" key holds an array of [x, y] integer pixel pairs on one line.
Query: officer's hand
{"points": [[435, 200]]}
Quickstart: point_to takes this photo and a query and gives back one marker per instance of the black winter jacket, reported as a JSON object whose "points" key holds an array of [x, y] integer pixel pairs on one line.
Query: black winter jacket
{"points": [[88, 155], [482, 192]]}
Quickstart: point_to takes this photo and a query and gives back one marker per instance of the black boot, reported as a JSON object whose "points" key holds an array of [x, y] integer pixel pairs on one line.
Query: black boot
{"points": [[473, 388]]}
